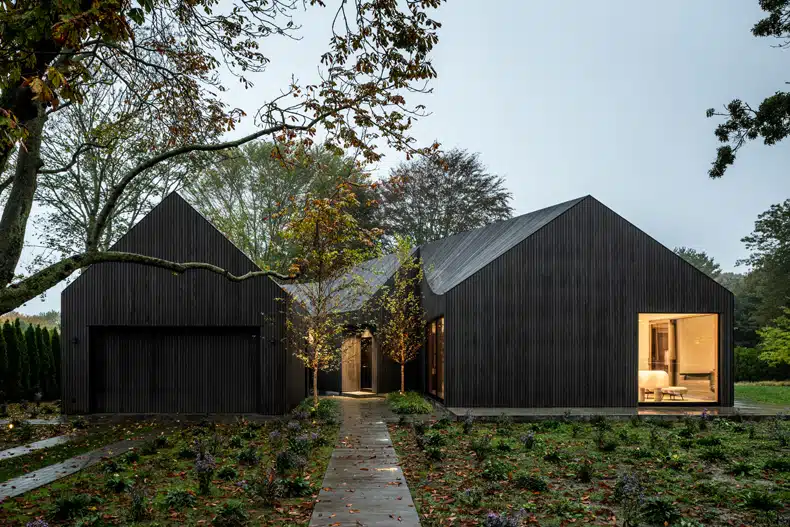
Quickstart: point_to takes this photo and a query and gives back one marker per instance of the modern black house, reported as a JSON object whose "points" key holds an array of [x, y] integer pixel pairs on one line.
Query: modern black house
{"points": [[568, 306], [139, 339]]}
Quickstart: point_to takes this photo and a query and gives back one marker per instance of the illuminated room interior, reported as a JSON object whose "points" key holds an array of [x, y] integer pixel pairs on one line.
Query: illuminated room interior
{"points": [[678, 358]]}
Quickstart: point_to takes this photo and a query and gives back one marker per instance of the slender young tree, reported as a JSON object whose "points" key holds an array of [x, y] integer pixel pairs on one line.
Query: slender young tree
{"points": [[56, 361], [401, 334], [330, 242]]}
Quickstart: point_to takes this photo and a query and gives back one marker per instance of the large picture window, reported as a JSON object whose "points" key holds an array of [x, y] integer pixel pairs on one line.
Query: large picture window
{"points": [[678, 358], [435, 349]]}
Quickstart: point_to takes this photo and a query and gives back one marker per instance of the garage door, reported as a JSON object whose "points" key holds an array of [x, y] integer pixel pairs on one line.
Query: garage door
{"points": [[174, 370]]}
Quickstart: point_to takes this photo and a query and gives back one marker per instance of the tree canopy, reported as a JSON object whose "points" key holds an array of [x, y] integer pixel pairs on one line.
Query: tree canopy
{"points": [[436, 196], [172, 62], [770, 120], [700, 260]]}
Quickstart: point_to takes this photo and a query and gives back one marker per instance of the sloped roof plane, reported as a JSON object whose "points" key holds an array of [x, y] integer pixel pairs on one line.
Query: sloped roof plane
{"points": [[450, 261]]}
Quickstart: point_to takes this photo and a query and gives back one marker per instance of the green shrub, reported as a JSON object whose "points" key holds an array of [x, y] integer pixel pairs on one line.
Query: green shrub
{"points": [[138, 504], [408, 403], [132, 456], [470, 497], [482, 447], [525, 480], [709, 441], [660, 511], [265, 488], [749, 367], [434, 453], [495, 469], [780, 464], [763, 501], [235, 441], [713, 454], [504, 424], [187, 452], [116, 483], [741, 468], [71, 506], [585, 472], [297, 487], [227, 473], [553, 456], [231, 514], [149, 448], [248, 456], [179, 499]]}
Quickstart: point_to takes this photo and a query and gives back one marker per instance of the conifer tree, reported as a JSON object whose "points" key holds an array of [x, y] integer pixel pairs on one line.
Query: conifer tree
{"points": [[55, 345], [34, 360], [13, 380], [24, 361]]}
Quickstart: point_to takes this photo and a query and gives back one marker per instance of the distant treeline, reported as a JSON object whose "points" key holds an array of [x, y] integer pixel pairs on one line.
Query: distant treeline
{"points": [[29, 362], [47, 319]]}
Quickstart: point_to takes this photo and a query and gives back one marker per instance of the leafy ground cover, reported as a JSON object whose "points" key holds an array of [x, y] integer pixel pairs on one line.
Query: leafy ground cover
{"points": [[23, 434], [699, 471], [408, 403], [199, 474], [88, 437], [777, 393], [44, 410]]}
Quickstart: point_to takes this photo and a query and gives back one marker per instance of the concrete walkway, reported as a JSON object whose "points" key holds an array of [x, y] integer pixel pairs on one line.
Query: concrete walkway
{"points": [[364, 485], [52, 421], [37, 445], [48, 474]]}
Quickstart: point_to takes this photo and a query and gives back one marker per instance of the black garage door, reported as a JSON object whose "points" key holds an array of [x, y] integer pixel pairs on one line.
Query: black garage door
{"points": [[174, 370]]}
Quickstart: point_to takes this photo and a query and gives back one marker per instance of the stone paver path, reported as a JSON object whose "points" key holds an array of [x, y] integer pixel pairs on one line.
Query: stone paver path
{"points": [[48, 474], [52, 421], [364, 485], [38, 445]]}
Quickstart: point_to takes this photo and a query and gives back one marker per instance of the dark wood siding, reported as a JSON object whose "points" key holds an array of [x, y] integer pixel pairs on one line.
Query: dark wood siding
{"points": [[553, 322], [130, 295]]}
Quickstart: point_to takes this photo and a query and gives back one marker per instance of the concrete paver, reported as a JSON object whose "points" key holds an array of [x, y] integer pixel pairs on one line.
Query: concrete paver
{"points": [[364, 484], [37, 445]]}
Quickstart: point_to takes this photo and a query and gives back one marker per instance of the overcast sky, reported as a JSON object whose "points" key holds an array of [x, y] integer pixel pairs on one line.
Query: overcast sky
{"points": [[607, 98]]}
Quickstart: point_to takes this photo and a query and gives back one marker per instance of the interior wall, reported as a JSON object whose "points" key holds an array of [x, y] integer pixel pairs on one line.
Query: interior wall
{"points": [[697, 344], [644, 343], [351, 364]]}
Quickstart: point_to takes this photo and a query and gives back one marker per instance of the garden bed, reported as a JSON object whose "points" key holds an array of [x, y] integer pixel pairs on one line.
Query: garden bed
{"points": [[44, 410], [695, 472], [263, 474]]}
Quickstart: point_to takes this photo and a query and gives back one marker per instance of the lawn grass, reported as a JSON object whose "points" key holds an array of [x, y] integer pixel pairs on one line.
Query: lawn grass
{"points": [[408, 403], [88, 439], [559, 473], [764, 392], [162, 480]]}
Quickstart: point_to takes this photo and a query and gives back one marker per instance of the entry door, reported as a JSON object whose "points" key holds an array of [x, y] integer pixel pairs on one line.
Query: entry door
{"points": [[366, 374]]}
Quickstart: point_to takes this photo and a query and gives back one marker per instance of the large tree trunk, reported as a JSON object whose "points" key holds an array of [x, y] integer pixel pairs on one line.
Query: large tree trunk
{"points": [[17, 209], [315, 386]]}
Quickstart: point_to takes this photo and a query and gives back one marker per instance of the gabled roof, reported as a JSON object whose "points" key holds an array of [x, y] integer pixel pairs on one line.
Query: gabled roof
{"points": [[372, 273], [446, 262], [450, 261]]}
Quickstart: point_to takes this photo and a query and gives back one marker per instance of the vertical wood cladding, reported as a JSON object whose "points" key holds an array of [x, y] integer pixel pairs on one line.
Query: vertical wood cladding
{"points": [[139, 298], [553, 322]]}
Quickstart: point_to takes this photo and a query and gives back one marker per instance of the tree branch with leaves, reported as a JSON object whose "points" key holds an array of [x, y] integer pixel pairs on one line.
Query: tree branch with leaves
{"points": [[170, 60]]}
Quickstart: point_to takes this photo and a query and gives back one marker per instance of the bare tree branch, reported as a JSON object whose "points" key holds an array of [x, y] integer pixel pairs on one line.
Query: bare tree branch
{"points": [[50, 276], [74, 158]]}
